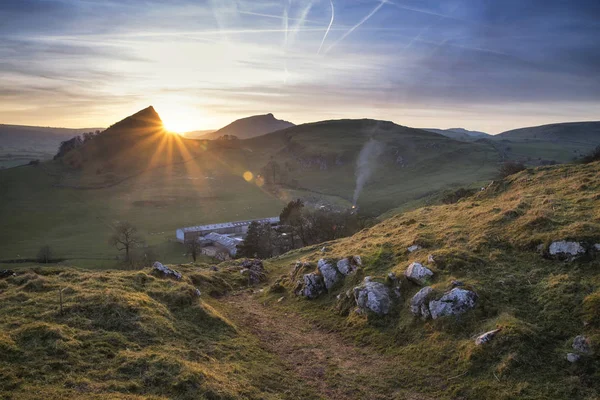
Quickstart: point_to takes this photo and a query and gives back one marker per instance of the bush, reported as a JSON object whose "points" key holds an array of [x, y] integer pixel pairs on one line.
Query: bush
{"points": [[510, 168], [455, 196], [594, 155]]}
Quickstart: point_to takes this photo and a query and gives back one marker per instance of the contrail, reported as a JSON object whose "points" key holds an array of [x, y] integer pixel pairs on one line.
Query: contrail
{"points": [[362, 21], [299, 23], [328, 28]]}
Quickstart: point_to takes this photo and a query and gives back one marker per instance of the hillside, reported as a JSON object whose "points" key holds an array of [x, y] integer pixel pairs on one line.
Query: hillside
{"points": [[249, 127], [557, 143], [134, 334], [20, 144], [460, 134]]}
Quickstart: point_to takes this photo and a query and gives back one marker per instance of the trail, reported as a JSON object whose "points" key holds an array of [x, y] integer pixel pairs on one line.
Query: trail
{"points": [[321, 359]]}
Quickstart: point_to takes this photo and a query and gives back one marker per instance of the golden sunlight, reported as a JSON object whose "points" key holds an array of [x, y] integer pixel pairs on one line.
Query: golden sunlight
{"points": [[179, 119]]}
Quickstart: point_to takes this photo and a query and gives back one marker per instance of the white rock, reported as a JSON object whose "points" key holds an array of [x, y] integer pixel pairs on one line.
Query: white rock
{"points": [[372, 297], [414, 247], [166, 270], [418, 304], [417, 273], [486, 337], [581, 344], [455, 302], [348, 265], [597, 247], [572, 357], [330, 273], [313, 285], [564, 249]]}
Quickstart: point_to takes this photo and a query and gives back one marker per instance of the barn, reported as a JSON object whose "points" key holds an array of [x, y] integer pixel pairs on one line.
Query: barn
{"points": [[236, 228]]}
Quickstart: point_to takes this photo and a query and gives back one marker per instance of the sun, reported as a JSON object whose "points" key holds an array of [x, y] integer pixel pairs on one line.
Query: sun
{"points": [[179, 119]]}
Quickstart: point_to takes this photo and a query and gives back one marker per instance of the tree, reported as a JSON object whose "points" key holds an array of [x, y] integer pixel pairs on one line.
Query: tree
{"points": [[44, 255], [292, 215], [194, 248], [510, 168], [125, 237], [594, 155], [250, 247]]}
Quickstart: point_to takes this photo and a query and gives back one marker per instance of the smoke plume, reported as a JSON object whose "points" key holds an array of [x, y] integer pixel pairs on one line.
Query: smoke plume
{"points": [[365, 164]]}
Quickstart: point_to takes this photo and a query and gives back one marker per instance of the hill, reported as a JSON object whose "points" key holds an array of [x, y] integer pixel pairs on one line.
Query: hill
{"points": [[137, 334], [20, 144], [460, 134], [249, 127], [568, 132]]}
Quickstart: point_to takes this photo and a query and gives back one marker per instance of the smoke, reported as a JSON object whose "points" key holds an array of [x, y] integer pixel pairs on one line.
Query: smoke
{"points": [[365, 164]]}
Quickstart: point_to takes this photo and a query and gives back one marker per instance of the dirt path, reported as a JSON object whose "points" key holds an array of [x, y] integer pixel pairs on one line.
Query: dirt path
{"points": [[323, 360]]}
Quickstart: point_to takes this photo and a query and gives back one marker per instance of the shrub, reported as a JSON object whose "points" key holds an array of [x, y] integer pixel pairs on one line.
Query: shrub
{"points": [[455, 196], [510, 168], [594, 155]]}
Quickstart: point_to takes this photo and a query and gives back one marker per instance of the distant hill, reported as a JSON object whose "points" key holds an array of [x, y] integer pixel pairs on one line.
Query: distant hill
{"points": [[249, 127], [568, 132], [460, 134], [198, 134], [19, 144]]}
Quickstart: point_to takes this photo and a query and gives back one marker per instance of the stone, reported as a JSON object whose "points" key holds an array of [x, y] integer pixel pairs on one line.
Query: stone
{"points": [[455, 302], [431, 259], [372, 297], [572, 357], [566, 250], [413, 248], [197, 292], [279, 300], [418, 304], [324, 249], [597, 247], [417, 273], [166, 271], [581, 344], [313, 286], [456, 283], [255, 270], [348, 265], [486, 337], [330, 273]]}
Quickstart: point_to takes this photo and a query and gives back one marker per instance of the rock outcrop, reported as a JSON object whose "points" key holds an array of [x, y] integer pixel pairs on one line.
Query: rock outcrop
{"points": [[314, 286], [165, 271], [581, 344], [330, 273], [419, 304], [348, 265], [414, 248], [486, 337], [255, 271], [418, 274], [372, 297], [455, 302], [566, 250]]}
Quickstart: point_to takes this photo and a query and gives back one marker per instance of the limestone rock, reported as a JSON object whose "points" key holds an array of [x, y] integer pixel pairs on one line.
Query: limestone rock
{"points": [[572, 357], [486, 337], [372, 297], [330, 273], [313, 286], [431, 259], [418, 304], [455, 302], [581, 344], [417, 273], [413, 248], [597, 247], [348, 265], [566, 250], [255, 270], [166, 271]]}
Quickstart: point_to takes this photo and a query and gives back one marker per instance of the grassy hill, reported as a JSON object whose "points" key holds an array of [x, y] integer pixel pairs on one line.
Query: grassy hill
{"points": [[460, 134], [249, 127], [129, 334]]}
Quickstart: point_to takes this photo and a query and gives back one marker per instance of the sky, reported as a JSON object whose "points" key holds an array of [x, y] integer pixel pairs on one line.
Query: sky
{"points": [[488, 65]]}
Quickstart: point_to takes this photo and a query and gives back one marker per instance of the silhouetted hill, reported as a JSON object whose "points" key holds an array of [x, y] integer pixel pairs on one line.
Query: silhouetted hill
{"points": [[250, 127], [460, 134], [568, 132]]}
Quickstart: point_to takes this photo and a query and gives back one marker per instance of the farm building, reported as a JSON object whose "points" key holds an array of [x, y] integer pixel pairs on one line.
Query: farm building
{"points": [[237, 228], [215, 244]]}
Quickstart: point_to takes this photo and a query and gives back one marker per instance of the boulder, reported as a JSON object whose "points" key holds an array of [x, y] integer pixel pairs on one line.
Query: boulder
{"points": [[417, 273], [582, 345], [313, 286], [255, 270], [455, 302], [348, 265], [572, 357], [418, 304], [330, 273], [566, 250], [372, 297], [166, 271], [486, 337], [413, 248], [597, 247]]}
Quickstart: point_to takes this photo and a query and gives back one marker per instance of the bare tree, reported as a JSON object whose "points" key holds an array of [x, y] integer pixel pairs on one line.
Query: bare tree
{"points": [[194, 248], [44, 255], [125, 237]]}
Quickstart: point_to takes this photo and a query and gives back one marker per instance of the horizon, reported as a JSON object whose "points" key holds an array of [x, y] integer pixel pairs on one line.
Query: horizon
{"points": [[481, 66]]}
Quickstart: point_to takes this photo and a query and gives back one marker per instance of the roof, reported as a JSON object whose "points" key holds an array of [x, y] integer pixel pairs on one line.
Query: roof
{"points": [[272, 220], [226, 241]]}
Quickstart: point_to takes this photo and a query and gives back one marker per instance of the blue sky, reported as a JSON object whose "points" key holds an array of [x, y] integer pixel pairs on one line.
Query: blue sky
{"points": [[479, 64]]}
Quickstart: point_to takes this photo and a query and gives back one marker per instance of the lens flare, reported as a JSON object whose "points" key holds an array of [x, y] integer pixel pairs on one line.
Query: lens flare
{"points": [[248, 176]]}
